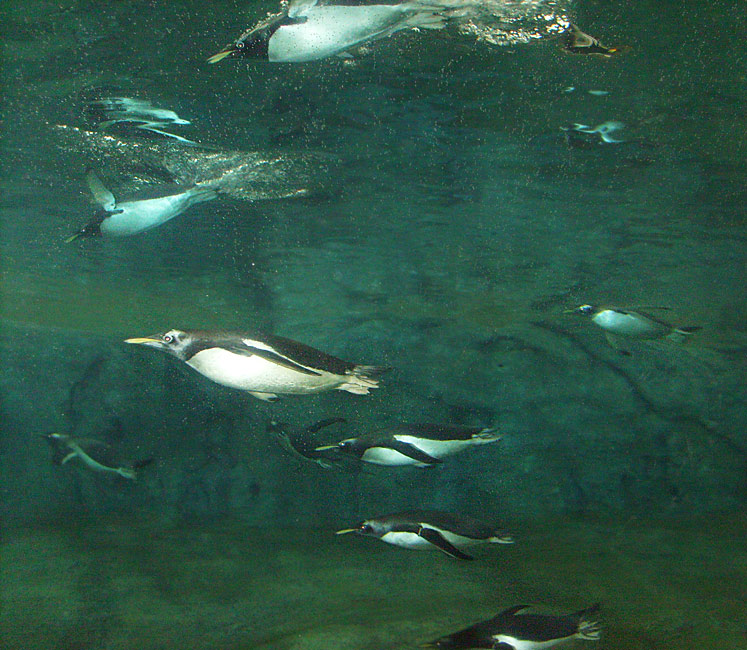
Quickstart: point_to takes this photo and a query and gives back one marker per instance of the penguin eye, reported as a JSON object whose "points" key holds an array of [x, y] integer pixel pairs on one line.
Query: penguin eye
{"points": [[366, 528], [168, 338]]}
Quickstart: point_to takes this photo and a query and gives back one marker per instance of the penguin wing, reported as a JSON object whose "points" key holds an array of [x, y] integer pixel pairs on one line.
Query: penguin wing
{"points": [[411, 451], [249, 347], [439, 541], [302, 354], [101, 195]]}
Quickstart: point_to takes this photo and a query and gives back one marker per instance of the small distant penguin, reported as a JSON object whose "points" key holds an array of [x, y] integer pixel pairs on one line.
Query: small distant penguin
{"points": [[66, 448], [577, 42], [430, 529], [148, 209], [106, 112], [317, 29], [421, 445], [633, 324], [301, 445], [511, 629], [263, 365]]}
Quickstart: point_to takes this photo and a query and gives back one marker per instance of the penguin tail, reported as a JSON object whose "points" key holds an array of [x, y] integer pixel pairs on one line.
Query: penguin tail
{"points": [[589, 627], [358, 384], [680, 334], [426, 20]]}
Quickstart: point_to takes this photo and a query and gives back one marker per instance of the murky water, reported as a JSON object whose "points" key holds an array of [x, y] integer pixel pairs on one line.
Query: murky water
{"points": [[425, 206]]}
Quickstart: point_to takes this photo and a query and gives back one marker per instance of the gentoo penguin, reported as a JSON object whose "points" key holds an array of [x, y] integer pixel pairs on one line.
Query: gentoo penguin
{"points": [[422, 445], [149, 209], [66, 448], [264, 365], [317, 29], [633, 324], [429, 529], [576, 42], [512, 629], [301, 445], [107, 112]]}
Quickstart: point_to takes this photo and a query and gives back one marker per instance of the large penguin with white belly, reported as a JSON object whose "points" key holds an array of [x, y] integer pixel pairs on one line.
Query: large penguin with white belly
{"points": [[317, 29], [264, 365], [514, 629], [148, 209], [421, 445], [430, 529]]}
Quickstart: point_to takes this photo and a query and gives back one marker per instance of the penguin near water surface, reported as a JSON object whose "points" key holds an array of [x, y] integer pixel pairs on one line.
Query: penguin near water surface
{"points": [[512, 629], [317, 29], [430, 529], [421, 445], [147, 209], [264, 365]]}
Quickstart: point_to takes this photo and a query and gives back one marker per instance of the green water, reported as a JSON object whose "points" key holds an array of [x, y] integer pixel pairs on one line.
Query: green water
{"points": [[419, 208]]}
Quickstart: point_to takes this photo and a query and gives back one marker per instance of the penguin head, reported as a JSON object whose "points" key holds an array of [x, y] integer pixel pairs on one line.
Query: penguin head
{"points": [[369, 528], [582, 309], [92, 229], [174, 342], [348, 446], [254, 43]]}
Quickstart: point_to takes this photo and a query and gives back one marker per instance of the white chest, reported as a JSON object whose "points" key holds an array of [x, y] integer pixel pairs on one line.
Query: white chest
{"points": [[330, 30], [520, 644], [629, 324], [251, 372], [137, 216]]}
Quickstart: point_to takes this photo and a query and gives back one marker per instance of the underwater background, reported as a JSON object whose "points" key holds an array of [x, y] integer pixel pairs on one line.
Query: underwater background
{"points": [[418, 207]]}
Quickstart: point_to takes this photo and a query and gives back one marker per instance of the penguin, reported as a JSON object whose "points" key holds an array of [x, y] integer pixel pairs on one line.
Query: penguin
{"points": [[316, 29], [430, 529], [66, 448], [301, 445], [421, 445], [107, 112], [604, 130], [151, 208], [577, 42], [264, 365], [512, 629], [632, 324]]}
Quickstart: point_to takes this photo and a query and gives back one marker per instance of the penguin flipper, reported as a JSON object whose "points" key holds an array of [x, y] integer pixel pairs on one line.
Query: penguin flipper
{"points": [[70, 456], [439, 541], [501, 645], [265, 397], [411, 451], [317, 426], [274, 357], [101, 195]]}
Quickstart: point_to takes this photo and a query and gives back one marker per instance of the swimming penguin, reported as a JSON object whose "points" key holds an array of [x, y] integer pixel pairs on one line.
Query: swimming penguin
{"points": [[512, 629], [633, 324], [66, 448], [317, 29], [430, 529], [264, 365], [106, 112], [422, 445], [301, 445], [604, 130], [151, 208], [576, 42]]}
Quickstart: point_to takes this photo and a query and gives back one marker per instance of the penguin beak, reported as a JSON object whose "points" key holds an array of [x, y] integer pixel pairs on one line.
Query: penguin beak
{"points": [[326, 447], [73, 237], [228, 51], [345, 531], [145, 340]]}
